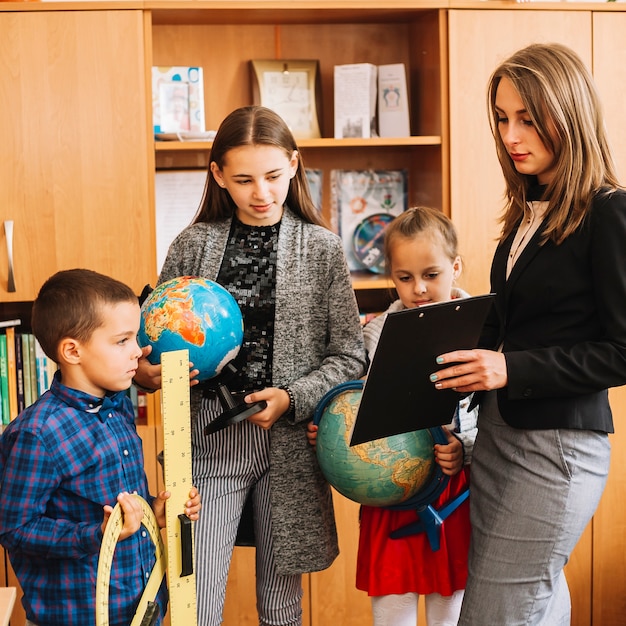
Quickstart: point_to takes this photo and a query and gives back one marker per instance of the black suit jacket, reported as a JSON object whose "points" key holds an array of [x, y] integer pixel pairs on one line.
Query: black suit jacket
{"points": [[561, 319]]}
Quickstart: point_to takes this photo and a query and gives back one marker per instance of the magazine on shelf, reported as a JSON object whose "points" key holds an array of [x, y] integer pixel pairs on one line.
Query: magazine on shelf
{"points": [[177, 99], [355, 100], [393, 101], [363, 204]]}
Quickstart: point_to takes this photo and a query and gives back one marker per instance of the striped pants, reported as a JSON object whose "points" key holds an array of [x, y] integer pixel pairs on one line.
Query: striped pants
{"points": [[226, 466]]}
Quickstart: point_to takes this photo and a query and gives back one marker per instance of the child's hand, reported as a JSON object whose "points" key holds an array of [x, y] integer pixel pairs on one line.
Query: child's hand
{"points": [[277, 404], [311, 433], [132, 514], [192, 506], [449, 456]]}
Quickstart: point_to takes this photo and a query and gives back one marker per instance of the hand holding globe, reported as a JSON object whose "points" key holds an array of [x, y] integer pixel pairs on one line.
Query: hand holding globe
{"points": [[198, 315]]}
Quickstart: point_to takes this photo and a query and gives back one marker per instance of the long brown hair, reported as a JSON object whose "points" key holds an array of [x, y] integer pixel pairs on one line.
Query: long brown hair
{"points": [[254, 126], [561, 100]]}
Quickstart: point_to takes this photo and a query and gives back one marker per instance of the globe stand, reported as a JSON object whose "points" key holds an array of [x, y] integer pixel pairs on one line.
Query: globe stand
{"points": [[431, 520], [234, 412]]}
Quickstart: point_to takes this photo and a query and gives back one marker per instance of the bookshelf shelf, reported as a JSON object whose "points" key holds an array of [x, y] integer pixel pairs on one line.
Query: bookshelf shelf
{"points": [[368, 280], [324, 142]]}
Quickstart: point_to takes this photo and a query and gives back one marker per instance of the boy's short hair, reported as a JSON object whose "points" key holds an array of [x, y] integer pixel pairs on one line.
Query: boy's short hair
{"points": [[69, 304]]}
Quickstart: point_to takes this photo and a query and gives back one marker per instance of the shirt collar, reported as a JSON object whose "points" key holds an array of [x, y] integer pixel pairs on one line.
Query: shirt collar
{"points": [[86, 402]]}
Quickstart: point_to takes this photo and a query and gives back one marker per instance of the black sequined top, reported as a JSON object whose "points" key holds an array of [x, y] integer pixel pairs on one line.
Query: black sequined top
{"points": [[248, 272]]}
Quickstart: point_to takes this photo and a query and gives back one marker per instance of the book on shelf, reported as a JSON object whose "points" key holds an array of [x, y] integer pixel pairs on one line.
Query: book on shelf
{"points": [[11, 372], [28, 387], [41, 365], [4, 380], [32, 378], [393, 101], [355, 100], [7, 323], [177, 99], [138, 399], [363, 202], [19, 372], [142, 407], [315, 178]]}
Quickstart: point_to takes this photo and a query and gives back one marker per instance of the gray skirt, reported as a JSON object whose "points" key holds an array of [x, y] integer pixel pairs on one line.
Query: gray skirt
{"points": [[533, 494]]}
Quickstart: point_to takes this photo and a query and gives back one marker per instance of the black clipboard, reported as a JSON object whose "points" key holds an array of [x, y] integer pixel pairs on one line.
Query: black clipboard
{"points": [[398, 396]]}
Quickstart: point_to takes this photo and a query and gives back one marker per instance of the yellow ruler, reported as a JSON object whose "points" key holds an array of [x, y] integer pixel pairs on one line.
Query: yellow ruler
{"points": [[175, 411], [179, 555]]}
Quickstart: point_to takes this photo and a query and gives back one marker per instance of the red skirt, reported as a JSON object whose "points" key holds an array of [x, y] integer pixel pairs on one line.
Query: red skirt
{"points": [[395, 566]]}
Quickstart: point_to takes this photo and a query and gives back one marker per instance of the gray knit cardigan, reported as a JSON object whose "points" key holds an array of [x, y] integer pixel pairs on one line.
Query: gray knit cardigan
{"points": [[318, 344]]}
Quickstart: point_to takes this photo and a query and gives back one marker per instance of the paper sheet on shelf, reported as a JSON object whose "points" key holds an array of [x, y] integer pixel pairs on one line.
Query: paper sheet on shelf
{"points": [[177, 197]]}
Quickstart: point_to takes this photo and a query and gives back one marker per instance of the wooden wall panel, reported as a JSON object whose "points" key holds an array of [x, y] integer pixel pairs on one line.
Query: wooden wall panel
{"points": [[477, 186], [609, 538], [334, 596]]}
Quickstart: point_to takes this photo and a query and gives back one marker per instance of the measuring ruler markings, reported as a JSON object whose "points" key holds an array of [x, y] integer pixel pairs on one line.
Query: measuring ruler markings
{"points": [[179, 530], [175, 409]]}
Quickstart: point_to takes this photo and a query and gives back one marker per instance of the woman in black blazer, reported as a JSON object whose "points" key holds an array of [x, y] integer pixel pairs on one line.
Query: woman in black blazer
{"points": [[554, 343]]}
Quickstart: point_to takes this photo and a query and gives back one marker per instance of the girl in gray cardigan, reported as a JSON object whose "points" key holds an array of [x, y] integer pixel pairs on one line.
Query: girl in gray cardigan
{"points": [[258, 234]]}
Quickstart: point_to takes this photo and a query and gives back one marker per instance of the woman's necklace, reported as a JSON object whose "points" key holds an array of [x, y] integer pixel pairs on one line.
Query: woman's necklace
{"points": [[526, 230], [516, 251]]}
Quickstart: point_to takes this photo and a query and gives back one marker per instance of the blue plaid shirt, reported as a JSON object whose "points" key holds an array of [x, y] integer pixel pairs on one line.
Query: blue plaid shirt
{"points": [[61, 461]]}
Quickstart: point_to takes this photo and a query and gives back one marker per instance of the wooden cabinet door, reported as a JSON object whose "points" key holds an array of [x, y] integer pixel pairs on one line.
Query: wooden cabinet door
{"points": [[334, 596], [479, 40], [75, 148]]}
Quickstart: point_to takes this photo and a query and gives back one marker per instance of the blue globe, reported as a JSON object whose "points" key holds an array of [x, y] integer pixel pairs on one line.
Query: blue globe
{"points": [[385, 472], [194, 314]]}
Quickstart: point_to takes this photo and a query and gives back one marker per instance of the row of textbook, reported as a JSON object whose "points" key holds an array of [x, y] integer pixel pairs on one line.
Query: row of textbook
{"points": [[26, 373]]}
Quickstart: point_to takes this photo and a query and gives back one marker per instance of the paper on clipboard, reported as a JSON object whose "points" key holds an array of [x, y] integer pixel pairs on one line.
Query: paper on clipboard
{"points": [[398, 396]]}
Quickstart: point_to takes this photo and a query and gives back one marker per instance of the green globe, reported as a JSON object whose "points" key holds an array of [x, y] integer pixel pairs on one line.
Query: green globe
{"points": [[383, 472]]}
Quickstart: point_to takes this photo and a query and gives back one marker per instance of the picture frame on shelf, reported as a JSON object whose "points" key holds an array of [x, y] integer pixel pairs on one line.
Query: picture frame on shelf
{"points": [[291, 88]]}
